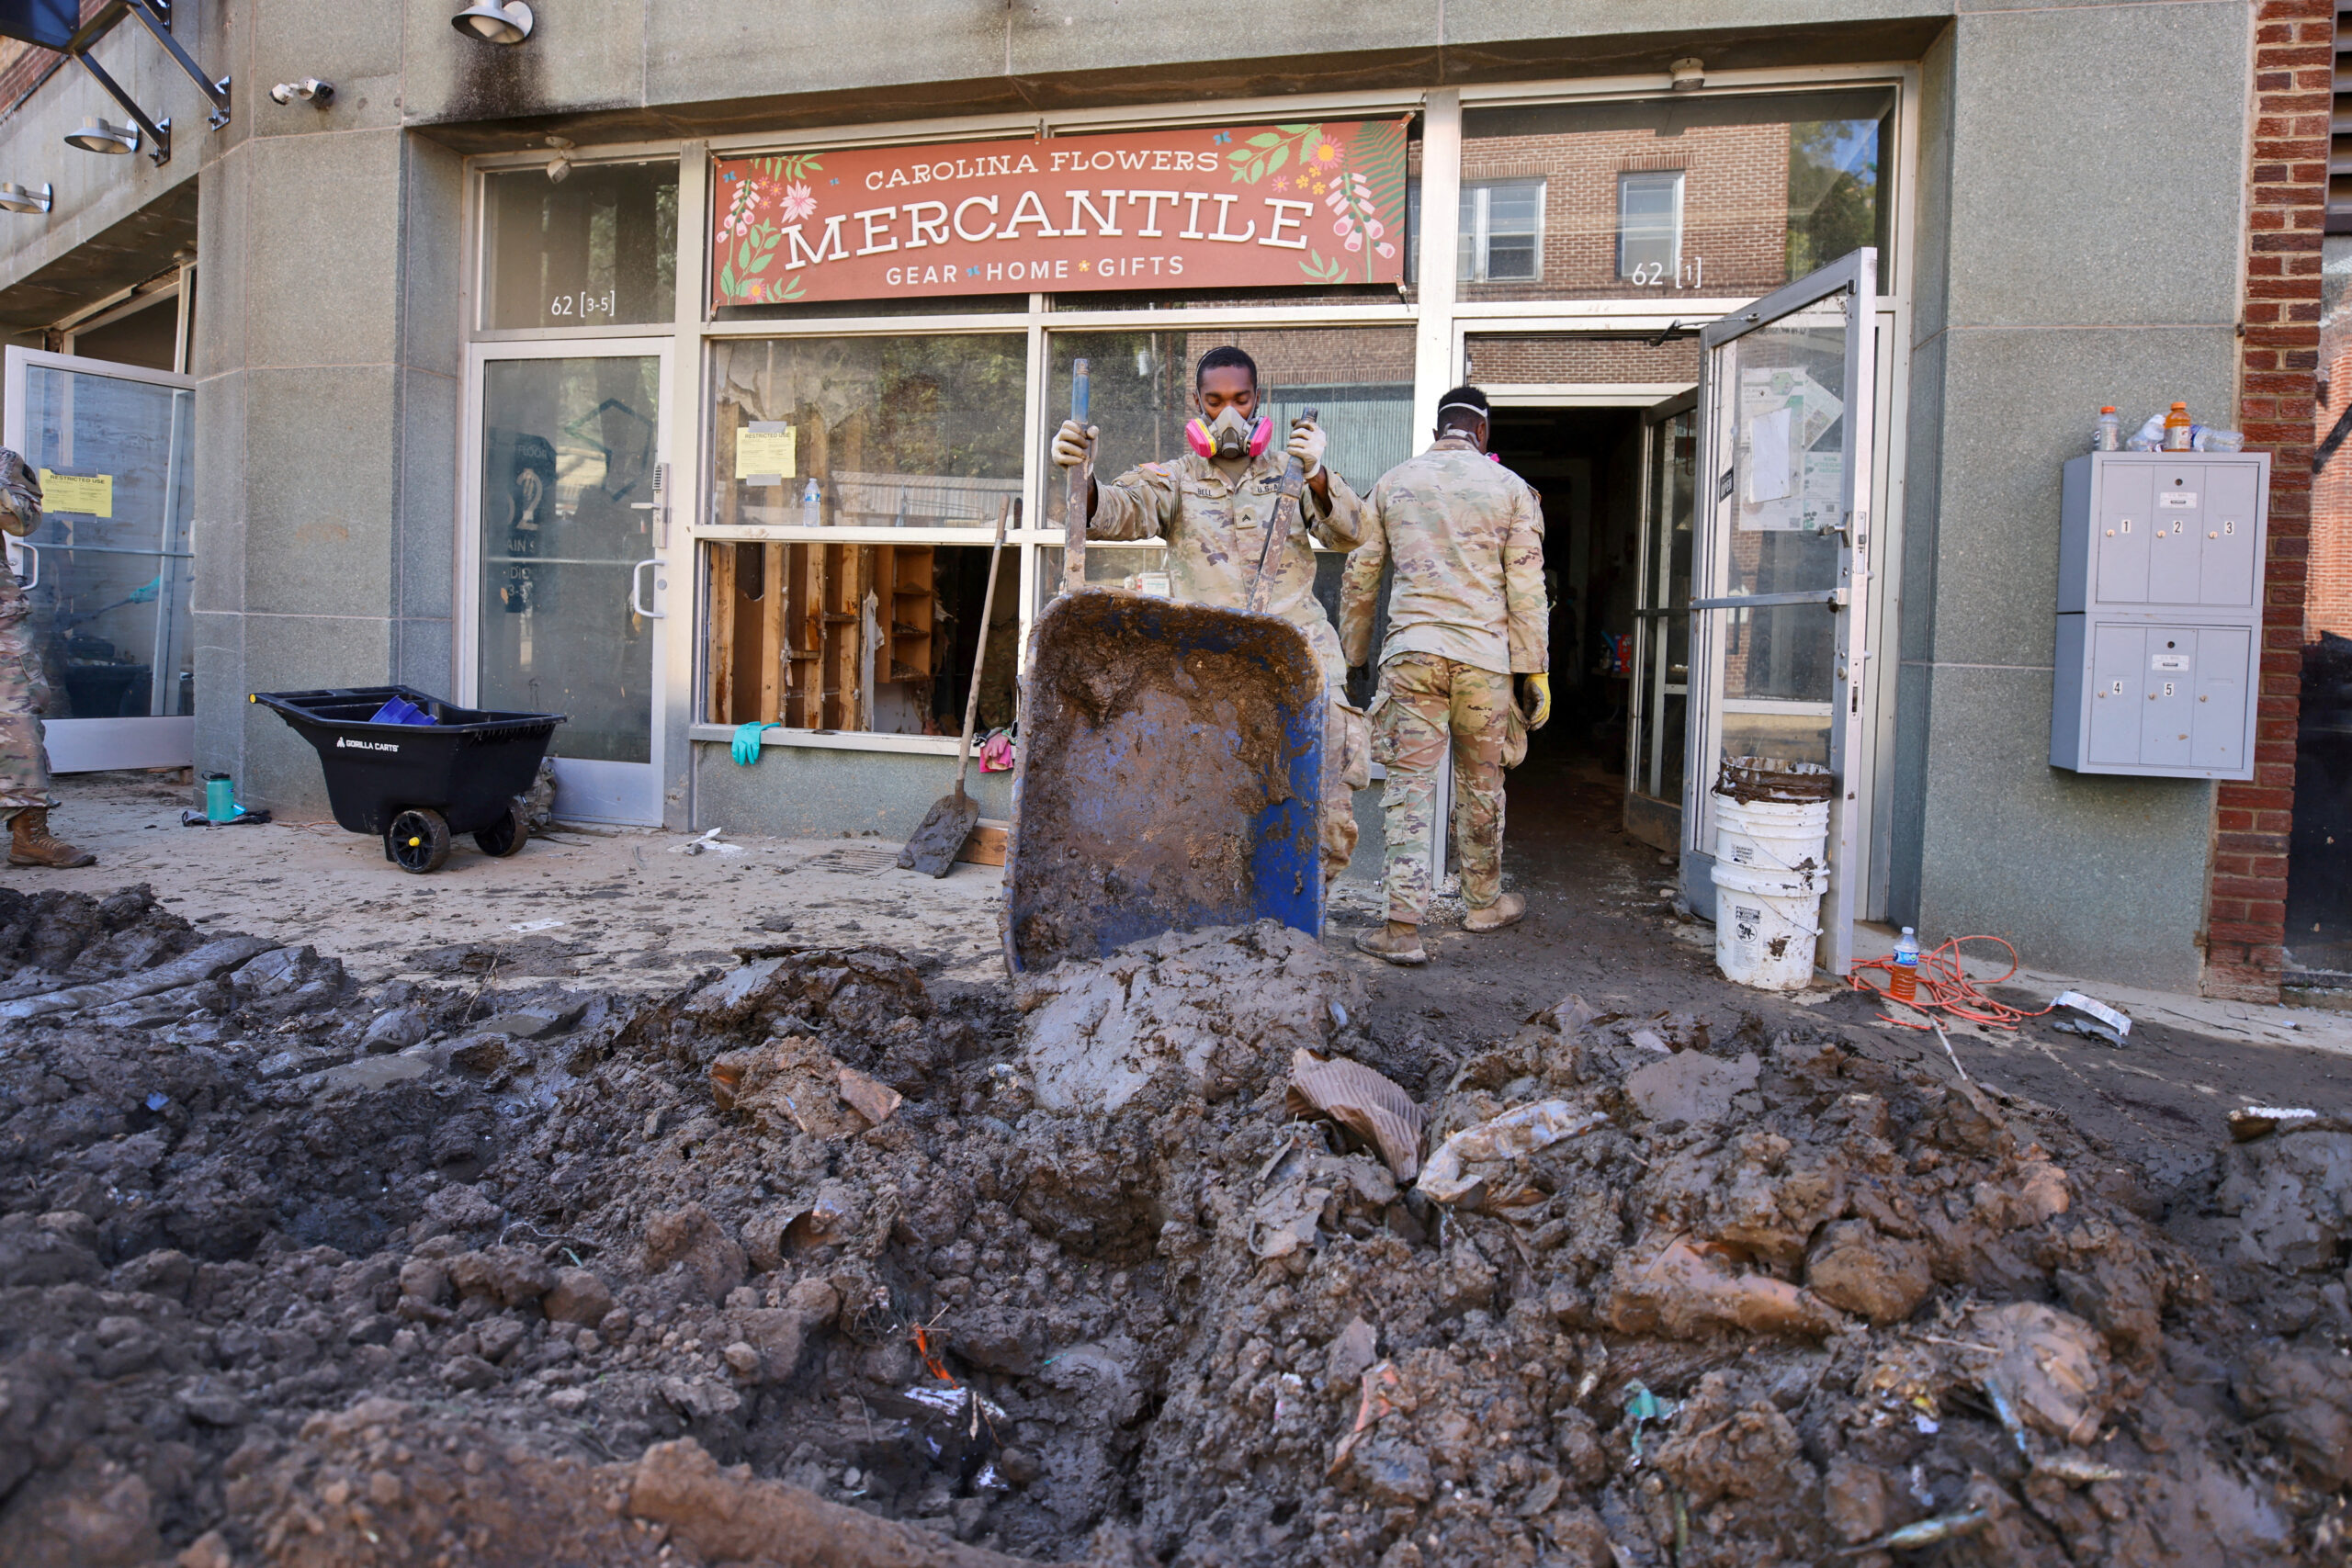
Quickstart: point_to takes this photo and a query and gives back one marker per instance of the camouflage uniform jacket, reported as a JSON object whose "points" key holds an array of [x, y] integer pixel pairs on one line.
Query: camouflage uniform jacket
{"points": [[1467, 538], [1216, 528]]}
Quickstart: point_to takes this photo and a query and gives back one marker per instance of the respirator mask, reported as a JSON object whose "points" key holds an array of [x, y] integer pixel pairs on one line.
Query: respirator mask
{"points": [[1229, 435]]}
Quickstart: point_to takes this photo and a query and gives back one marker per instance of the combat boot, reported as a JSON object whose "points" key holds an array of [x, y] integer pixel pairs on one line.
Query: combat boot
{"points": [[1399, 942], [1507, 910], [30, 843]]}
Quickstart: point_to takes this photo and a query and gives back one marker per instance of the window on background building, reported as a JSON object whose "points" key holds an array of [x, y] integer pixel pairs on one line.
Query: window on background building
{"points": [[598, 249], [1714, 194], [875, 458], [1502, 232], [1649, 225]]}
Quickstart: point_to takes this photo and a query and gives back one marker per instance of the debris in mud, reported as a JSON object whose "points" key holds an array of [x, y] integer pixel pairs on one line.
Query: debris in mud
{"points": [[814, 1258], [1364, 1101]]}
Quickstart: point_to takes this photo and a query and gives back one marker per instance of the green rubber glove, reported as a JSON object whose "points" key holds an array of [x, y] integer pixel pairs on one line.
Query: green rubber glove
{"points": [[746, 747]]}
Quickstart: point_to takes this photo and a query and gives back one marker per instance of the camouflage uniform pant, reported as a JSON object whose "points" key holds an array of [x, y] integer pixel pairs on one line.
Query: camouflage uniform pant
{"points": [[1347, 768], [1425, 703], [24, 694]]}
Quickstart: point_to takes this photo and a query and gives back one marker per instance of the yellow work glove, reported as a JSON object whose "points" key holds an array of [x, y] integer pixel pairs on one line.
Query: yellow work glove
{"points": [[1539, 689]]}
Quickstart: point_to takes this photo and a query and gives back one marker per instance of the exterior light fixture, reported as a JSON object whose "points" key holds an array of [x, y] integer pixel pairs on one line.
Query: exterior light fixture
{"points": [[24, 199], [309, 90], [493, 23], [104, 136], [1690, 73]]}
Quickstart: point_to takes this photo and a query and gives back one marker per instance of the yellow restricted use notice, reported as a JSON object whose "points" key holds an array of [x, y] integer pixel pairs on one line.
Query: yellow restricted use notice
{"points": [[87, 495], [765, 450]]}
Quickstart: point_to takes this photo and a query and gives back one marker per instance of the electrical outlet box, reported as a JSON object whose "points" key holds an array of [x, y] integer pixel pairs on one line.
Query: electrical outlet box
{"points": [[2159, 626]]}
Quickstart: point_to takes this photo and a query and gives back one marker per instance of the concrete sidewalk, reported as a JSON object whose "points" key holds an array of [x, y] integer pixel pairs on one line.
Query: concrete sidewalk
{"points": [[612, 909], [607, 908]]}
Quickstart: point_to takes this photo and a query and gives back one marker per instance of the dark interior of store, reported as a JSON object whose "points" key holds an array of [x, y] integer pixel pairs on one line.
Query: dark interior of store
{"points": [[1586, 465]]}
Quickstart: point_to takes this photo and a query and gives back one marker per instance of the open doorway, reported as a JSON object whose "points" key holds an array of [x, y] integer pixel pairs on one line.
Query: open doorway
{"points": [[1609, 761]]}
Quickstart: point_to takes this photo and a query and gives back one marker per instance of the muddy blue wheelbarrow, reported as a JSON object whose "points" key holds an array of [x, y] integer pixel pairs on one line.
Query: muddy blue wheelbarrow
{"points": [[1170, 769], [1170, 776]]}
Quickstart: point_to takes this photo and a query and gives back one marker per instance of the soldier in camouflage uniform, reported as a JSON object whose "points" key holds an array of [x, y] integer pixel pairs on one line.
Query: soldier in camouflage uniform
{"points": [[1214, 512], [25, 799], [1467, 613]]}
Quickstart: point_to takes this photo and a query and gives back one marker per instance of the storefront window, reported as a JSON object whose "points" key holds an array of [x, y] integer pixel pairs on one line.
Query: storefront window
{"points": [[598, 249], [867, 432], [1709, 195], [822, 630], [1360, 380], [877, 638]]}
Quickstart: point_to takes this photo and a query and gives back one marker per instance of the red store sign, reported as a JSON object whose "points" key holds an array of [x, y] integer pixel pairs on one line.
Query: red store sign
{"points": [[1255, 206]]}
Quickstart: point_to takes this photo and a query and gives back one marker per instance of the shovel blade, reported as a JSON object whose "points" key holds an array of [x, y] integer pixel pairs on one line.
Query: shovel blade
{"points": [[933, 847]]}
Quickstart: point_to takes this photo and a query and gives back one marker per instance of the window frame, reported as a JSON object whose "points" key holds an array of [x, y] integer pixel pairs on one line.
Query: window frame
{"points": [[1479, 193], [1627, 180]]}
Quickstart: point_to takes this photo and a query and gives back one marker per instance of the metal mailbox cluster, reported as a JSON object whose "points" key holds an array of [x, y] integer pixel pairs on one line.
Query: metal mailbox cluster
{"points": [[2160, 614]]}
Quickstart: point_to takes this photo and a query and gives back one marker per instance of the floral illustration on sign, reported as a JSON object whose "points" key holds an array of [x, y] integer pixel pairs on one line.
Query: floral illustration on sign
{"points": [[757, 237], [1269, 150], [1356, 197]]}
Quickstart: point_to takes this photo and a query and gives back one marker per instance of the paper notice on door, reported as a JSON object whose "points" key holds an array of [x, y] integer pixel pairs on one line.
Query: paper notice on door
{"points": [[766, 454], [1770, 473], [86, 495]]}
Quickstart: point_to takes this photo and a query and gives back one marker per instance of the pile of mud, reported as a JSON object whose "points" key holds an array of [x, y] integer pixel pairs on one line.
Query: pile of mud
{"points": [[813, 1262]]}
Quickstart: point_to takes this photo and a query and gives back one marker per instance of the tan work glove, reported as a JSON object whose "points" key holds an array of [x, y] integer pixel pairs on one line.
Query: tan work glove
{"points": [[1306, 443], [1072, 441]]}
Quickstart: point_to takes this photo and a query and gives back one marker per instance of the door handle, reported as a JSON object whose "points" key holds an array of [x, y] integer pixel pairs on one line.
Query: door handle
{"points": [[636, 582]]}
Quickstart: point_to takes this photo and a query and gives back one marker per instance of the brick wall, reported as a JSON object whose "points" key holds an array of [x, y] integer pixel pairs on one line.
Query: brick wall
{"points": [[2293, 77], [1557, 360]]}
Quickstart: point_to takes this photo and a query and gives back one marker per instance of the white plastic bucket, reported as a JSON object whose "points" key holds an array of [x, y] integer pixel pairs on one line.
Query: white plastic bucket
{"points": [[1765, 929], [1789, 839]]}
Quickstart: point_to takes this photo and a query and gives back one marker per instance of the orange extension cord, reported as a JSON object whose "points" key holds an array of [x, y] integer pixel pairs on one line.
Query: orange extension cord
{"points": [[1945, 987]]}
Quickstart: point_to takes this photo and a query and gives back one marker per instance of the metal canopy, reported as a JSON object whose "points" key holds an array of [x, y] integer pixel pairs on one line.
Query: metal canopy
{"points": [[48, 24]]}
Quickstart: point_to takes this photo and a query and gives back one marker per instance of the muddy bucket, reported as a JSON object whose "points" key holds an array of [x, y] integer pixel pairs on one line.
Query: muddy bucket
{"points": [[1765, 928], [1170, 776], [1789, 838]]}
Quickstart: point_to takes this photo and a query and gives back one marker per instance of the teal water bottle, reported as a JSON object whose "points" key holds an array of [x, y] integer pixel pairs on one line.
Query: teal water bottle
{"points": [[219, 799]]}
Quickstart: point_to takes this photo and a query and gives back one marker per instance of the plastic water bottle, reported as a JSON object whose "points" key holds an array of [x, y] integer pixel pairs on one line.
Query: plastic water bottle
{"points": [[2107, 435], [812, 506], [1904, 988]]}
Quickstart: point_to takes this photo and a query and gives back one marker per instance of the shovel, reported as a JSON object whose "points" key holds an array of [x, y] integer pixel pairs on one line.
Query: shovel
{"points": [[933, 847]]}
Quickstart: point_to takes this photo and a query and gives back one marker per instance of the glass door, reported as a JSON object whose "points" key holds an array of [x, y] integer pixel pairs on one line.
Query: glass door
{"points": [[109, 568], [1781, 567], [1660, 702], [568, 538]]}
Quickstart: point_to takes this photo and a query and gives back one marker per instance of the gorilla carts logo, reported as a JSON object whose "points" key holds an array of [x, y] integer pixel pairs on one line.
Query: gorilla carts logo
{"points": [[345, 744]]}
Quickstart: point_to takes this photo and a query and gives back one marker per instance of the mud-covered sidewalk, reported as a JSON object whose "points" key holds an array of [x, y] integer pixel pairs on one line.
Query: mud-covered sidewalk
{"points": [[616, 1204]]}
